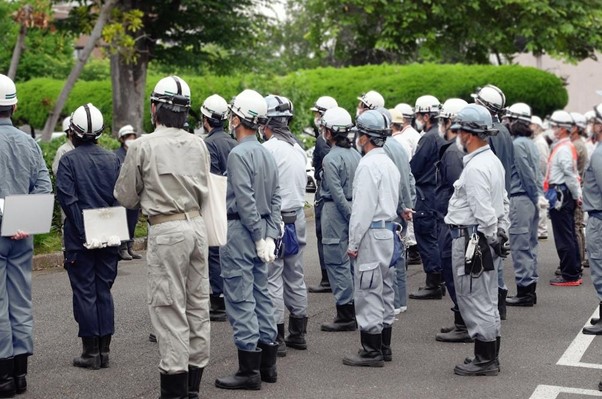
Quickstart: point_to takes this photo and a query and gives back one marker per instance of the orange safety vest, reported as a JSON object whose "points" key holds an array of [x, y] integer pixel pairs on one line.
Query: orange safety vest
{"points": [[546, 182]]}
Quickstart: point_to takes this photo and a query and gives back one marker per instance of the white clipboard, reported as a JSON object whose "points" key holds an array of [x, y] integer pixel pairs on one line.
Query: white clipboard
{"points": [[102, 223], [29, 213]]}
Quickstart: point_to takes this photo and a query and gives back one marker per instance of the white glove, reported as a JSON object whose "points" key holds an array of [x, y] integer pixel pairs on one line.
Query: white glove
{"points": [[270, 249], [543, 202], [260, 246], [94, 244], [113, 241]]}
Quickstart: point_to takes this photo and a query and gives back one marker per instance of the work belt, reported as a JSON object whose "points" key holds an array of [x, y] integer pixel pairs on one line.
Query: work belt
{"points": [[331, 200], [518, 194], [289, 217], [457, 231], [157, 219], [594, 214], [236, 216], [381, 224]]}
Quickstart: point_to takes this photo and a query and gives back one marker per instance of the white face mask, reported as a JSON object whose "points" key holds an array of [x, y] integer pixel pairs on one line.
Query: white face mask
{"points": [[317, 123], [442, 130], [419, 124], [128, 142], [460, 145], [358, 112]]}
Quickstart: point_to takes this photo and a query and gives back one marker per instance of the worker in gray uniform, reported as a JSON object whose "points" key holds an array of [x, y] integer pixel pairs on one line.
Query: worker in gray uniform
{"points": [[253, 211], [286, 281], [337, 188], [478, 219], [526, 188], [374, 241], [165, 175], [592, 204], [493, 98]]}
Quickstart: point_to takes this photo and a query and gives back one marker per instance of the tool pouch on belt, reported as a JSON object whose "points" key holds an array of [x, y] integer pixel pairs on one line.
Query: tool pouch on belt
{"points": [[290, 241], [398, 245], [478, 256], [554, 197]]}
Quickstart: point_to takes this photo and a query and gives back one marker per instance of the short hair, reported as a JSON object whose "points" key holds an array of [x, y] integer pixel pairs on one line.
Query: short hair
{"points": [[7, 111], [521, 129], [214, 123], [170, 118]]}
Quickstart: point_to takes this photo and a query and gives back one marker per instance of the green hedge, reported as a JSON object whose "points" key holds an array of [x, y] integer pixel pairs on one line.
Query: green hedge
{"points": [[542, 90]]}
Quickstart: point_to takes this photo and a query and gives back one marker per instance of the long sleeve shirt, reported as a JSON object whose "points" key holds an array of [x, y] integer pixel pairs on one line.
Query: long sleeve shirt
{"points": [[479, 196], [219, 145], [501, 145], [543, 149], [375, 194], [526, 177], [164, 173], [338, 174], [562, 168], [253, 188], [592, 182], [449, 169], [407, 189], [424, 161], [62, 150], [290, 161]]}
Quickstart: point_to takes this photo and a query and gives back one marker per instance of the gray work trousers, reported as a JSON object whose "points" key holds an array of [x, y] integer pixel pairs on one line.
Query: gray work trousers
{"points": [[335, 240], [524, 219], [248, 304], [178, 293], [593, 242], [542, 227], [478, 304], [286, 282], [374, 279]]}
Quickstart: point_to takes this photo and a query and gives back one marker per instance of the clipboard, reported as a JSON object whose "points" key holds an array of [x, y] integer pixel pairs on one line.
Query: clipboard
{"points": [[102, 223], [29, 213]]}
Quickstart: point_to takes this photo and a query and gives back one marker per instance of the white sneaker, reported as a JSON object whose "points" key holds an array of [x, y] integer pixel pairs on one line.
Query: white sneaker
{"points": [[401, 309]]}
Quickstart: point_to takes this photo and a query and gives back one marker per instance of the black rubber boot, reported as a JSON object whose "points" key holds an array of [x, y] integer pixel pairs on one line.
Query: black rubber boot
{"points": [[524, 297], [534, 292], [344, 320], [90, 357], [484, 362], [386, 346], [280, 340], [297, 327], [105, 348], [267, 368], [596, 328], [7, 379], [324, 285], [501, 302], [174, 386], [414, 256], [131, 252], [370, 355], [21, 373], [123, 252], [217, 308], [194, 381], [432, 290], [247, 376], [595, 320], [458, 334]]}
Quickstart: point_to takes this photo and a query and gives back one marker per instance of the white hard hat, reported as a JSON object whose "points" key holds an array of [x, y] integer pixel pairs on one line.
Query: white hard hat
{"points": [[579, 120], [87, 122], [598, 112], [215, 107], [173, 91], [427, 105], [66, 123], [337, 120], [590, 116], [562, 119], [279, 106], [8, 91], [451, 107], [249, 106], [520, 111], [396, 116], [324, 103], [536, 120], [127, 129], [491, 97], [372, 100], [406, 110]]}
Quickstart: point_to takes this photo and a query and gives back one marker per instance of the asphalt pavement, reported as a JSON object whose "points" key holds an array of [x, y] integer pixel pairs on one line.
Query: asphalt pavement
{"points": [[534, 340]]}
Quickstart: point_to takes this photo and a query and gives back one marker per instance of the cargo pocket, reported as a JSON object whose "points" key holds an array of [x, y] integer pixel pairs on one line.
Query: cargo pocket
{"points": [[159, 290], [368, 275], [234, 286], [69, 259], [333, 253], [424, 222]]}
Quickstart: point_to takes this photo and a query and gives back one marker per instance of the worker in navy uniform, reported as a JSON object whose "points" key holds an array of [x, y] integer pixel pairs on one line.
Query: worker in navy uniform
{"points": [[85, 180], [337, 189], [425, 222], [477, 217], [372, 236], [321, 105], [524, 194], [22, 171], [219, 144], [126, 136], [449, 168], [592, 204], [253, 206], [492, 98], [286, 281]]}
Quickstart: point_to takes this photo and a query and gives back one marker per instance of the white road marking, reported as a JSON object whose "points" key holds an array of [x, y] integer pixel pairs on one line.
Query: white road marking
{"points": [[572, 356], [552, 392]]}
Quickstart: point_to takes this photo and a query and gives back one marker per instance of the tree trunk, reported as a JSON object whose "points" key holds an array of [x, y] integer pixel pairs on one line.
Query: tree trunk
{"points": [[18, 50], [129, 83], [54, 115]]}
